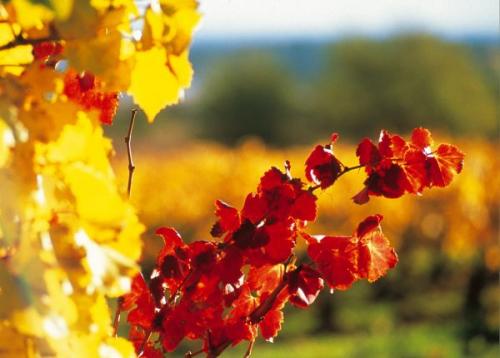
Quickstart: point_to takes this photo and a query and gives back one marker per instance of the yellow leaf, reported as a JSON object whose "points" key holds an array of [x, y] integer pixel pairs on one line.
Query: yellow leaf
{"points": [[59, 290], [78, 162], [7, 141], [171, 6], [6, 34], [100, 55], [30, 15], [81, 142], [82, 23], [28, 321], [41, 82], [152, 85], [172, 28], [185, 22], [182, 68], [117, 348], [110, 269], [19, 55], [103, 5], [62, 8], [152, 33], [89, 188]]}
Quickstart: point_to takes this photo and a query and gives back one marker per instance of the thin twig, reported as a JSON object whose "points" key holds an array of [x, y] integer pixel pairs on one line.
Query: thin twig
{"points": [[19, 40], [116, 320], [15, 64], [178, 289], [144, 342], [193, 354], [258, 314], [216, 351], [248, 353], [128, 143], [345, 170]]}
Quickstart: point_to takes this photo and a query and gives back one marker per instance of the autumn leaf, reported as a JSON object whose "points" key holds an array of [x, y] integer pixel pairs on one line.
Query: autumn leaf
{"points": [[151, 70], [375, 255]]}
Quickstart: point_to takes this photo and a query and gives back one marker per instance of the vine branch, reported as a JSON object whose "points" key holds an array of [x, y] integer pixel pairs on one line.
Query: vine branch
{"points": [[344, 170], [248, 353], [116, 320], [19, 39], [128, 143]]}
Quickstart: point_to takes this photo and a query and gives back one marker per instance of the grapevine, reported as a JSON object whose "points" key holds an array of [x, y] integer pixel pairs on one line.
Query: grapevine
{"points": [[225, 290], [70, 240]]}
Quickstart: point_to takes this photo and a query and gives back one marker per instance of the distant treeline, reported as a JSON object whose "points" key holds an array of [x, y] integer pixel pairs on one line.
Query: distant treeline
{"points": [[296, 92]]}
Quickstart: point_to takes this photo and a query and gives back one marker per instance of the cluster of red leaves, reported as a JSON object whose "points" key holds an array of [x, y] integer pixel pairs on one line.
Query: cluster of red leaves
{"points": [[225, 290], [43, 51], [396, 166], [87, 90]]}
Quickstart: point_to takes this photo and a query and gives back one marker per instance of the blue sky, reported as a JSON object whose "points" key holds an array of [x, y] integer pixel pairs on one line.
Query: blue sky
{"points": [[281, 18]]}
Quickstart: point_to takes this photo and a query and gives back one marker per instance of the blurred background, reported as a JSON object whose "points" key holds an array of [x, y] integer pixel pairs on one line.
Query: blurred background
{"points": [[273, 78]]}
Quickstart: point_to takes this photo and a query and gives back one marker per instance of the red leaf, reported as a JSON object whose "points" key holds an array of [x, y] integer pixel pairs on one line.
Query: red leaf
{"points": [[271, 179], [43, 50], [174, 328], [281, 242], [304, 207], [271, 324], [279, 201], [368, 225], [391, 146], [87, 81], [264, 279], [376, 256], [322, 167], [140, 297], [343, 260], [362, 197], [171, 267], [446, 162], [389, 182], [397, 167], [249, 237], [304, 285], [336, 258], [254, 208], [172, 241], [229, 218], [421, 138], [137, 288], [203, 255], [414, 166], [230, 265], [368, 153]]}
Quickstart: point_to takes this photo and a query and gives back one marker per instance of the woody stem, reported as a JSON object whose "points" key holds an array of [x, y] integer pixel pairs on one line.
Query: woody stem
{"points": [[116, 320], [128, 143], [345, 170]]}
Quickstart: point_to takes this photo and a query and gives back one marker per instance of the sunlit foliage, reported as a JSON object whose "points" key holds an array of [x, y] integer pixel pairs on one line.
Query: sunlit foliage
{"points": [[69, 238]]}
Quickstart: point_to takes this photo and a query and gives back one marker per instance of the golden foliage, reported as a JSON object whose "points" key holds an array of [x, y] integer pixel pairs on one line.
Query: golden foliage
{"points": [[463, 217], [69, 238], [120, 42]]}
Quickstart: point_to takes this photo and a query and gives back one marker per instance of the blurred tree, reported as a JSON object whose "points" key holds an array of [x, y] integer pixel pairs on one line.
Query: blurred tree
{"points": [[401, 83], [248, 94]]}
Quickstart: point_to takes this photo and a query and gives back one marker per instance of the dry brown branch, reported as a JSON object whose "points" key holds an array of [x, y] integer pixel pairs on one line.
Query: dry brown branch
{"points": [[128, 143]]}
